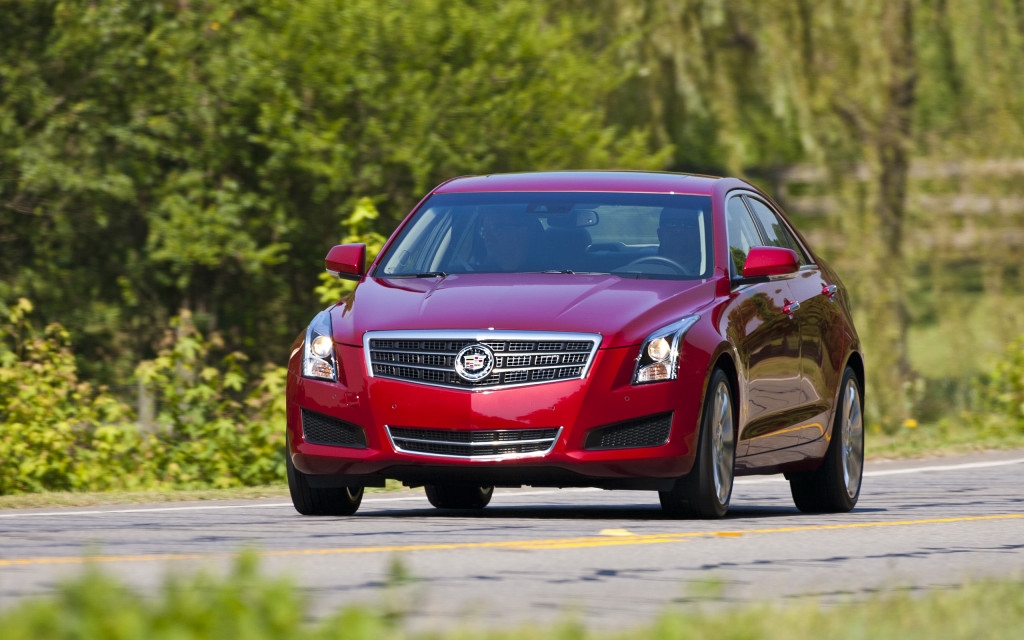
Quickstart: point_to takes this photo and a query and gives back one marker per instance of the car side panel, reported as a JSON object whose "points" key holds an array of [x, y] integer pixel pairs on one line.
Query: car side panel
{"points": [[767, 342]]}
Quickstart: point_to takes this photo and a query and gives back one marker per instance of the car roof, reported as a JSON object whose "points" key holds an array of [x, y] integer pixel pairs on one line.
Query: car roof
{"points": [[594, 181]]}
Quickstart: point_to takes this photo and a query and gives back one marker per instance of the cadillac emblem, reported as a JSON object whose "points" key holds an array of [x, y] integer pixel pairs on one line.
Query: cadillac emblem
{"points": [[474, 363]]}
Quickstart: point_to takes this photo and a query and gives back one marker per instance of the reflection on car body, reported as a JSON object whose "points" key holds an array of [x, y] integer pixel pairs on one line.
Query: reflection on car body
{"points": [[614, 329]]}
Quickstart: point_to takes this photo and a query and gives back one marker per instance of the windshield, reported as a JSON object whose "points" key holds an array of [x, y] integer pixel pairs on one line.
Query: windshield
{"points": [[627, 234]]}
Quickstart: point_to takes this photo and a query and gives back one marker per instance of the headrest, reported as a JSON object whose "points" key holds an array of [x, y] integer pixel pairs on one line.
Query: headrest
{"points": [[675, 217]]}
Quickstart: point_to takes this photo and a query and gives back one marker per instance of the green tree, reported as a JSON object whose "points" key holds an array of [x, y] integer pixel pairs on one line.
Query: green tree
{"points": [[166, 156], [747, 85]]}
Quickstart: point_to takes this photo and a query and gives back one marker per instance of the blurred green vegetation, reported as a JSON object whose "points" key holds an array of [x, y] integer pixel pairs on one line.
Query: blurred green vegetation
{"points": [[213, 427], [171, 170], [250, 605]]}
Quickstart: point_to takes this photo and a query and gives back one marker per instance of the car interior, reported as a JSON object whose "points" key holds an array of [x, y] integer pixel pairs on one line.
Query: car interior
{"points": [[581, 237]]}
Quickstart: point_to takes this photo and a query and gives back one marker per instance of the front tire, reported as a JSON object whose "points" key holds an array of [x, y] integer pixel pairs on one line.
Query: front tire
{"points": [[835, 486], [706, 491], [458, 496], [316, 501]]}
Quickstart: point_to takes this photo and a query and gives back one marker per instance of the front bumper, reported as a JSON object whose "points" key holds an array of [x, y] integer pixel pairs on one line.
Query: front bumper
{"points": [[576, 408]]}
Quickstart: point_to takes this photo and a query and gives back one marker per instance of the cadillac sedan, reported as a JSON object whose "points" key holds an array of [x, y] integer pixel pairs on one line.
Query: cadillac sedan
{"points": [[622, 330]]}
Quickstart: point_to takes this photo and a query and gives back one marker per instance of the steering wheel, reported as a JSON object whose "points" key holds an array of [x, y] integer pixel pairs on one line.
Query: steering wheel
{"points": [[662, 260]]}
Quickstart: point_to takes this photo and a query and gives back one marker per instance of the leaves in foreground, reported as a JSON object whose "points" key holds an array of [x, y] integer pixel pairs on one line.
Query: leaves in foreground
{"points": [[245, 604]]}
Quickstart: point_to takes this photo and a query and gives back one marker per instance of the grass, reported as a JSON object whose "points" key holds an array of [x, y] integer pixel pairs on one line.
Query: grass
{"points": [[968, 333], [247, 605], [939, 439]]}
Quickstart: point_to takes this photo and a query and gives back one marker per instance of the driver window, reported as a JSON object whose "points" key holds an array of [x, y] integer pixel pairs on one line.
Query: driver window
{"points": [[742, 233], [778, 234]]}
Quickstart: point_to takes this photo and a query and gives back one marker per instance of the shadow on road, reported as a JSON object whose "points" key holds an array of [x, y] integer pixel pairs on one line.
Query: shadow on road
{"points": [[583, 512]]}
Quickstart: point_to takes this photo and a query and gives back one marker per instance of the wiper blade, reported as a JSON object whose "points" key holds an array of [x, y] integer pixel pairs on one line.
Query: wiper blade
{"points": [[576, 273], [426, 274]]}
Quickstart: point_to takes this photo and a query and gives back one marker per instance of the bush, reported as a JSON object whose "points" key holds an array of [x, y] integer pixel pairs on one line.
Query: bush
{"points": [[58, 433], [96, 606], [211, 432], [49, 418], [1001, 392]]}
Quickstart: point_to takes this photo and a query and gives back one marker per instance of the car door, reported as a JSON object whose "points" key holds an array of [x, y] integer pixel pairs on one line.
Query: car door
{"points": [[766, 338], [816, 315]]}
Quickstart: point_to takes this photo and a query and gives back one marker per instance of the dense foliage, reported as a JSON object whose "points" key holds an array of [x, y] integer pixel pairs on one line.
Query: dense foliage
{"points": [[213, 427], [159, 156], [1002, 390], [165, 159]]}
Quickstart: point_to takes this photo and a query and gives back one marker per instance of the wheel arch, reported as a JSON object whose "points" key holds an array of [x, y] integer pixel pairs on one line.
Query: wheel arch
{"points": [[723, 359], [725, 363], [856, 362]]}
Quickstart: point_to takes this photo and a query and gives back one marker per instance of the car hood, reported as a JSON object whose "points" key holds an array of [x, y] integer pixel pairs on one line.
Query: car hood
{"points": [[623, 310]]}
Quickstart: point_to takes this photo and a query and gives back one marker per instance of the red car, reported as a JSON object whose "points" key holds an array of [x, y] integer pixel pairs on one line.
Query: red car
{"points": [[621, 330]]}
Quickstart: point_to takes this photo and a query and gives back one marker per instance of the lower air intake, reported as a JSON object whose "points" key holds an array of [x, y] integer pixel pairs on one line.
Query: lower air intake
{"points": [[649, 431], [320, 429]]}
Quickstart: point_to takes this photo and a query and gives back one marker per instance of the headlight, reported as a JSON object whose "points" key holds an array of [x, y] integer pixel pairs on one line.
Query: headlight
{"points": [[318, 359], [659, 355]]}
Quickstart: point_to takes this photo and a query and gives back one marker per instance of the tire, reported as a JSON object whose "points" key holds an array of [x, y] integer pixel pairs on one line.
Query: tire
{"points": [[835, 486], [315, 501], [458, 496], [705, 491]]}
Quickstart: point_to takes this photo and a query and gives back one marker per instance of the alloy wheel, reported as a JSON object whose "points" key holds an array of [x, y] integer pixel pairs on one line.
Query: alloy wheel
{"points": [[724, 442], [853, 438]]}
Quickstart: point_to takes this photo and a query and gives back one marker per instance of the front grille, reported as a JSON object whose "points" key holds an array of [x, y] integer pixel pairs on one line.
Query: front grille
{"points": [[473, 444], [515, 357], [650, 431], [320, 429]]}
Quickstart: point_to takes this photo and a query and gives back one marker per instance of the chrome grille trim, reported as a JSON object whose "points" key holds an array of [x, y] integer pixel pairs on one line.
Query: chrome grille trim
{"points": [[521, 358], [475, 442]]}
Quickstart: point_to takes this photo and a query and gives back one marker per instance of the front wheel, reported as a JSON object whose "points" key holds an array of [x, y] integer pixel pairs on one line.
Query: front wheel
{"points": [[835, 486], [705, 492], [458, 496], [316, 501]]}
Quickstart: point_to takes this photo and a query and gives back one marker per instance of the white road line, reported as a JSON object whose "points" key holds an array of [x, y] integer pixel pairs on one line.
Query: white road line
{"points": [[149, 510], [211, 507], [276, 505], [945, 467], [894, 472]]}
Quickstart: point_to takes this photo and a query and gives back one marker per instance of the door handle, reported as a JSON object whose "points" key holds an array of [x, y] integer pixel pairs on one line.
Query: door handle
{"points": [[829, 291]]}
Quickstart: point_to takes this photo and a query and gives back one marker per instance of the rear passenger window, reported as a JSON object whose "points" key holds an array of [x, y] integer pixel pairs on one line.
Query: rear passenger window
{"points": [[778, 234], [742, 232]]}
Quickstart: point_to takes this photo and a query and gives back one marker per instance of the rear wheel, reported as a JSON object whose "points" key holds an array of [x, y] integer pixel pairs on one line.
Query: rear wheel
{"points": [[705, 492], [835, 486], [458, 496], [316, 501]]}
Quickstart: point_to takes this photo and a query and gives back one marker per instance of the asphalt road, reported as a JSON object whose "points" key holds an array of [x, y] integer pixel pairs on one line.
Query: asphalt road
{"points": [[607, 558]]}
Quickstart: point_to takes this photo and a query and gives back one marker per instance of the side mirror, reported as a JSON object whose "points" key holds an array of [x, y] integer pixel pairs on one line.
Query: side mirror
{"points": [[347, 261], [763, 262]]}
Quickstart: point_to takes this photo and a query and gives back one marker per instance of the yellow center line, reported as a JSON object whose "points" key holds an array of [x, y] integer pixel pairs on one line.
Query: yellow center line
{"points": [[616, 539]]}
